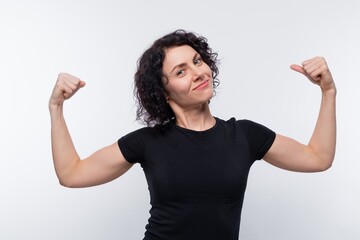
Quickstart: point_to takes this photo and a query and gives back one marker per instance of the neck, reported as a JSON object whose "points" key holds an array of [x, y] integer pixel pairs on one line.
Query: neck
{"points": [[197, 119]]}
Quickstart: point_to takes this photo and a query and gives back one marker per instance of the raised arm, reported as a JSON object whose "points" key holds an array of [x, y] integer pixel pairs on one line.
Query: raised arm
{"points": [[103, 166], [318, 154]]}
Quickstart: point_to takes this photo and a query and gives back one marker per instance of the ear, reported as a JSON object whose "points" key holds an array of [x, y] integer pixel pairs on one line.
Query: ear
{"points": [[166, 97], [165, 81]]}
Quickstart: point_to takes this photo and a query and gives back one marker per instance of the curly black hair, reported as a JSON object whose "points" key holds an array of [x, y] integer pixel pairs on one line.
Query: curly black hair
{"points": [[152, 107]]}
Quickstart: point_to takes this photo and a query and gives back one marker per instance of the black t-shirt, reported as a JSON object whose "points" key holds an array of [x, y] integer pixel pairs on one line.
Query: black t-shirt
{"points": [[196, 179]]}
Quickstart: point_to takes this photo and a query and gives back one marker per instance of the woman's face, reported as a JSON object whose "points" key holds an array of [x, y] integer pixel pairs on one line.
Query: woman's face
{"points": [[189, 80]]}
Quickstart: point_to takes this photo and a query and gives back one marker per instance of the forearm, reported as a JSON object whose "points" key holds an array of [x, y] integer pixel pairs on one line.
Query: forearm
{"points": [[64, 153], [318, 154], [323, 140]]}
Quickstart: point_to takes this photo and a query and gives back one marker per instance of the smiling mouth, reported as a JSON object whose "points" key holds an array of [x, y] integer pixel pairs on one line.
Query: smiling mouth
{"points": [[202, 85]]}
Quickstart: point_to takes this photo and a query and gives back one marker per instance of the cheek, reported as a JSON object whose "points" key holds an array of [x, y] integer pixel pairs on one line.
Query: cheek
{"points": [[177, 94], [208, 70], [181, 86]]}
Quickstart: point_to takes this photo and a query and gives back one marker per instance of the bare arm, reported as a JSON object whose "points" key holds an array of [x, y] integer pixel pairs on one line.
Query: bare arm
{"points": [[318, 154], [104, 165]]}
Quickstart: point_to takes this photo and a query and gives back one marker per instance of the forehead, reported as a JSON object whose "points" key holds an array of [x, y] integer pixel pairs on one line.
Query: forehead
{"points": [[178, 55]]}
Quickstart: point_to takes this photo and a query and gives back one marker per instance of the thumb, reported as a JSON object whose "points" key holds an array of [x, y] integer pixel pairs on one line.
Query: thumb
{"points": [[298, 68], [82, 84]]}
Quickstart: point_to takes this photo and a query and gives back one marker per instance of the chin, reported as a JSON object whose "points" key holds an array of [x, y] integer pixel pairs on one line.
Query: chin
{"points": [[211, 95]]}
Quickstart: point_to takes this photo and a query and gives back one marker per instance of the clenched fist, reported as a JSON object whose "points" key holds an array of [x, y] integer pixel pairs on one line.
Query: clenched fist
{"points": [[66, 86], [317, 71]]}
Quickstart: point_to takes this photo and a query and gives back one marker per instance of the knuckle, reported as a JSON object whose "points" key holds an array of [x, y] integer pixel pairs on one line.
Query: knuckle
{"points": [[61, 75], [321, 58]]}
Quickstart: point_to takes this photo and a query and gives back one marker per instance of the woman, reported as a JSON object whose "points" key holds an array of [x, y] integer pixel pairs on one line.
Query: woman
{"points": [[196, 165]]}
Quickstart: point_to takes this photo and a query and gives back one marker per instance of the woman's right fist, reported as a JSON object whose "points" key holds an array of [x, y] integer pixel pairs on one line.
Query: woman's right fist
{"points": [[66, 86]]}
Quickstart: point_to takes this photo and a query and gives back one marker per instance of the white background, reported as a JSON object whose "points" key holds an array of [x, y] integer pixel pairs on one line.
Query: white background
{"points": [[100, 41]]}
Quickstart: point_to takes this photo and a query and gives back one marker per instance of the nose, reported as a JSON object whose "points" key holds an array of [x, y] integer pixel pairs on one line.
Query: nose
{"points": [[198, 74]]}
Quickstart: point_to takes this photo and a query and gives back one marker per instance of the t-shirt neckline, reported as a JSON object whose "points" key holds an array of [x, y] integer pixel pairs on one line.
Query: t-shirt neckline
{"points": [[195, 131]]}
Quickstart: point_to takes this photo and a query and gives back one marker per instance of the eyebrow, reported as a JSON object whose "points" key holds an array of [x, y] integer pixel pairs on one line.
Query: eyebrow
{"points": [[184, 64]]}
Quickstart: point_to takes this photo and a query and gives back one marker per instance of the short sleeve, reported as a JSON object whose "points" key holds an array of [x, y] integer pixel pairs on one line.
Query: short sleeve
{"points": [[259, 138], [133, 145]]}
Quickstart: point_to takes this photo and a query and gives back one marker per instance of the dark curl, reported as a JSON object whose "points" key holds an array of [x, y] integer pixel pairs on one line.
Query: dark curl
{"points": [[152, 107]]}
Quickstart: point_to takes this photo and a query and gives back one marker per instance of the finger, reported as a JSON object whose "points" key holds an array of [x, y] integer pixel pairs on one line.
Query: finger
{"points": [[75, 86], [61, 87], [69, 83], [76, 81], [312, 66], [68, 78], [297, 68], [317, 69], [66, 90], [82, 84], [318, 74], [312, 60]]}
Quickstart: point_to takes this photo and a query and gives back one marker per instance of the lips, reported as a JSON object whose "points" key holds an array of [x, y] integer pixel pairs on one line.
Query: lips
{"points": [[202, 85]]}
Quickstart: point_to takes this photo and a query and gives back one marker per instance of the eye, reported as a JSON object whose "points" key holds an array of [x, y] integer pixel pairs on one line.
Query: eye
{"points": [[180, 73], [198, 61]]}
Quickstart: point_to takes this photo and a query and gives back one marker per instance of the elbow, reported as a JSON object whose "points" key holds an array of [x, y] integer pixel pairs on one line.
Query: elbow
{"points": [[65, 183], [324, 165], [62, 183], [322, 161], [66, 177]]}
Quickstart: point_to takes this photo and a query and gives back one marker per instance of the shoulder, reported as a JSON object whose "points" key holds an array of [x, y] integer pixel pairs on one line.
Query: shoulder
{"points": [[249, 128], [258, 137], [134, 145], [142, 134], [238, 123], [146, 134]]}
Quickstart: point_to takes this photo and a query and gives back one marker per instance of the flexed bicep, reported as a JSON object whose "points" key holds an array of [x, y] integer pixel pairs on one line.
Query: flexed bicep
{"points": [[289, 154], [100, 167]]}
